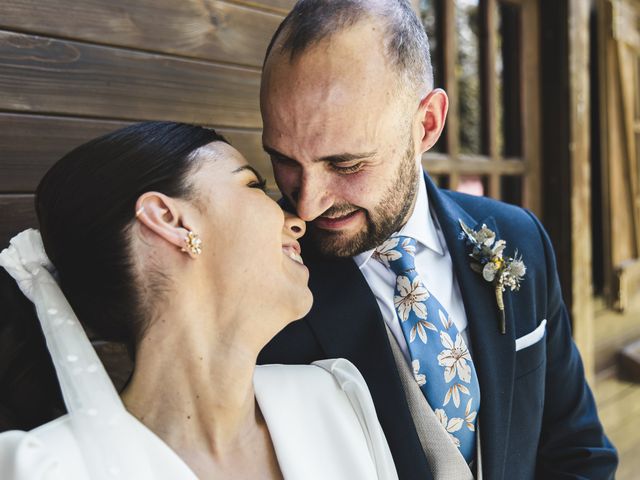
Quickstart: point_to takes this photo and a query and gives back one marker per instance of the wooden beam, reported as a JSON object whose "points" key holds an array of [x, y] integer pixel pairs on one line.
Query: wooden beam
{"points": [[630, 361], [207, 29], [489, 92], [626, 284], [530, 99], [580, 187], [69, 78], [450, 61], [605, 67], [31, 143], [18, 213], [470, 164], [277, 6], [626, 18], [489, 88]]}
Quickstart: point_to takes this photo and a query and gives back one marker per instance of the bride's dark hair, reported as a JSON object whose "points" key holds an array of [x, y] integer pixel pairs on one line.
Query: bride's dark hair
{"points": [[85, 205]]}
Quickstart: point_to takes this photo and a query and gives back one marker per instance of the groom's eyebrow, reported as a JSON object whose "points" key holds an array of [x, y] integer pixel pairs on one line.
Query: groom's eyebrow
{"points": [[336, 158]]}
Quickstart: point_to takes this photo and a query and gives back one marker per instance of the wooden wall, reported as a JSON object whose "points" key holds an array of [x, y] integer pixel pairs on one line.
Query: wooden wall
{"points": [[70, 71]]}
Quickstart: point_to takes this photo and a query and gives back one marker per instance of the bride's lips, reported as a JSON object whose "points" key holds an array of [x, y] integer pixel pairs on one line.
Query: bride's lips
{"points": [[292, 250], [338, 223]]}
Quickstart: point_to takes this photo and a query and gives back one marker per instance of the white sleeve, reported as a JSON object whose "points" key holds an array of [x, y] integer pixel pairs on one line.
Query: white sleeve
{"points": [[354, 386], [25, 457]]}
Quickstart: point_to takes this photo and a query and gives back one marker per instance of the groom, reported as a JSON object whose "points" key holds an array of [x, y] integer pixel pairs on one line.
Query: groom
{"points": [[461, 387]]}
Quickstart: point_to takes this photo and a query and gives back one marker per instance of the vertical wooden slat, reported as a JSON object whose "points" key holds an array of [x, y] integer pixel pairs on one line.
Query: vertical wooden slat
{"points": [[495, 189], [605, 21], [489, 89], [449, 55], [626, 85], [580, 191], [488, 53], [531, 103]]}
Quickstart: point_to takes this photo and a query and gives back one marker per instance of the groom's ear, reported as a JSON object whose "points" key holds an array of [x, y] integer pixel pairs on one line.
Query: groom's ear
{"points": [[432, 114], [161, 215]]}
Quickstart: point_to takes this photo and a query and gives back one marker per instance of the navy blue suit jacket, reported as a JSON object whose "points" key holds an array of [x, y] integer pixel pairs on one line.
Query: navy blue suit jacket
{"points": [[537, 417]]}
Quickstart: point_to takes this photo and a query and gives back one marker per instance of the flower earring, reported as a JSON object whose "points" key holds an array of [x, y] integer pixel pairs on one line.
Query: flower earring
{"points": [[193, 244]]}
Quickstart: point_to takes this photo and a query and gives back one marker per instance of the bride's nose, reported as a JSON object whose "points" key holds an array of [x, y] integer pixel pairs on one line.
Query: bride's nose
{"points": [[294, 225]]}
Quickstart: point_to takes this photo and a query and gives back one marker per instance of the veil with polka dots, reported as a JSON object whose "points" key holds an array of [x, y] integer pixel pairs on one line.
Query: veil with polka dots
{"points": [[98, 416]]}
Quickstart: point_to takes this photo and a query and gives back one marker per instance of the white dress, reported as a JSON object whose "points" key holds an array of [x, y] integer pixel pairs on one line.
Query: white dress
{"points": [[320, 417]]}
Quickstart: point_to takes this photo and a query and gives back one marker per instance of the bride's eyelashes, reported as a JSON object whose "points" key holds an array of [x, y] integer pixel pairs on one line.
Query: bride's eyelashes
{"points": [[260, 184]]}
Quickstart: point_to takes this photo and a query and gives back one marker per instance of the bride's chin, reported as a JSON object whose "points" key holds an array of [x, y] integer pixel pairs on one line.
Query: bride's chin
{"points": [[300, 305], [306, 303]]}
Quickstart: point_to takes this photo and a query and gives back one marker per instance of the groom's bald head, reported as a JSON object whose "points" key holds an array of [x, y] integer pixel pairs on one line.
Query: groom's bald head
{"points": [[312, 22]]}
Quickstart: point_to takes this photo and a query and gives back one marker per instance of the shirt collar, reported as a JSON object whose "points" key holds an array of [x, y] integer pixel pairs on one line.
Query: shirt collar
{"points": [[419, 226]]}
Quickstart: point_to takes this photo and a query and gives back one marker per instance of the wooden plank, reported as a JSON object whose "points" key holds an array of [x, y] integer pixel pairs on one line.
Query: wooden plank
{"points": [[280, 6], [30, 144], [619, 190], [469, 164], [610, 390], [53, 76], [613, 330], [626, 18], [626, 284], [18, 213], [531, 105], [450, 61], [488, 54], [605, 66], [580, 183], [626, 73], [616, 400], [206, 29], [630, 361], [616, 415]]}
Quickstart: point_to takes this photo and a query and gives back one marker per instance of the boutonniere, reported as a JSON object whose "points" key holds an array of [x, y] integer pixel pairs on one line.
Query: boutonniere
{"points": [[487, 259]]}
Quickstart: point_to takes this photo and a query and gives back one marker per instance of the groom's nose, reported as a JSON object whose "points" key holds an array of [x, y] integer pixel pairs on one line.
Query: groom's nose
{"points": [[313, 196], [294, 226]]}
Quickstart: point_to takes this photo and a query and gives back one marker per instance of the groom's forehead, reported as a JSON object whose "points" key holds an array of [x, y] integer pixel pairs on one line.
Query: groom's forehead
{"points": [[357, 54], [323, 93]]}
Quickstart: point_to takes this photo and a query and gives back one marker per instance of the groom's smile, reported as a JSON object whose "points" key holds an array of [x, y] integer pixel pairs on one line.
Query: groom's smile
{"points": [[351, 220]]}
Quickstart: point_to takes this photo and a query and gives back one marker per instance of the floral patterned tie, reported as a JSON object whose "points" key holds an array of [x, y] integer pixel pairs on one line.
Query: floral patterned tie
{"points": [[441, 362]]}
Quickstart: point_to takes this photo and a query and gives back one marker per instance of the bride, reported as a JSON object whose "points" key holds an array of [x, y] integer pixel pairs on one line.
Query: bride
{"points": [[162, 238]]}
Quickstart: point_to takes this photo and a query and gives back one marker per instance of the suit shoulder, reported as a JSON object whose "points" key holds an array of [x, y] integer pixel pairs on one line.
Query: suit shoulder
{"points": [[508, 218]]}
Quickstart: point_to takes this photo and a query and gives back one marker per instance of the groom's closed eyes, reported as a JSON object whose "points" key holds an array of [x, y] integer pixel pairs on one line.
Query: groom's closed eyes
{"points": [[344, 163]]}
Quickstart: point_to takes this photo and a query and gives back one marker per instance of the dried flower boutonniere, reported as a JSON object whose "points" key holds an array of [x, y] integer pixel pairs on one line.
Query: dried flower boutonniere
{"points": [[488, 260]]}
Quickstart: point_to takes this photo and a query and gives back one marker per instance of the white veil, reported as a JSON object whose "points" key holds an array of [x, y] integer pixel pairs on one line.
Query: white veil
{"points": [[98, 417]]}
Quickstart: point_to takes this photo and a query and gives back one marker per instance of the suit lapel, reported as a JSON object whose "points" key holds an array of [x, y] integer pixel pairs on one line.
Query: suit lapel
{"points": [[347, 323], [493, 353]]}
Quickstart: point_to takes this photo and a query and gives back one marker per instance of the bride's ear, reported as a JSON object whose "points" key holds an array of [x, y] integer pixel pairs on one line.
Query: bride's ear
{"points": [[162, 215]]}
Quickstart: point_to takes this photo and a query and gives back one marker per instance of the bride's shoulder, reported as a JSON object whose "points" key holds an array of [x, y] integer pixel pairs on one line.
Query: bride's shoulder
{"points": [[323, 373], [333, 376], [327, 407], [47, 452]]}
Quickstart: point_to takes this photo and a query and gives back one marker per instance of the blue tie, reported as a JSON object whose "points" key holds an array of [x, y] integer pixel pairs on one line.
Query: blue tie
{"points": [[441, 362]]}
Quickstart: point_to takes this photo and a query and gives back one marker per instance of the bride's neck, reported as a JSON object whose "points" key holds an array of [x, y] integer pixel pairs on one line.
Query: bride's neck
{"points": [[193, 385]]}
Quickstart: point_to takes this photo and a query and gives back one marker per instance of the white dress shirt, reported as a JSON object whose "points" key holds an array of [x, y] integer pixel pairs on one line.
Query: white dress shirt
{"points": [[433, 263]]}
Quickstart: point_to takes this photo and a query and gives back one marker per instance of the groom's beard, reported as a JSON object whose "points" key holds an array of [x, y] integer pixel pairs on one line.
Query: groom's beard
{"points": [[387, 217]]}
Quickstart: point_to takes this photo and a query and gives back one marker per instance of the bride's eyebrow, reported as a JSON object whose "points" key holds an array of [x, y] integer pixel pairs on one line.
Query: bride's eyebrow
{"points": [[251, 169]]}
